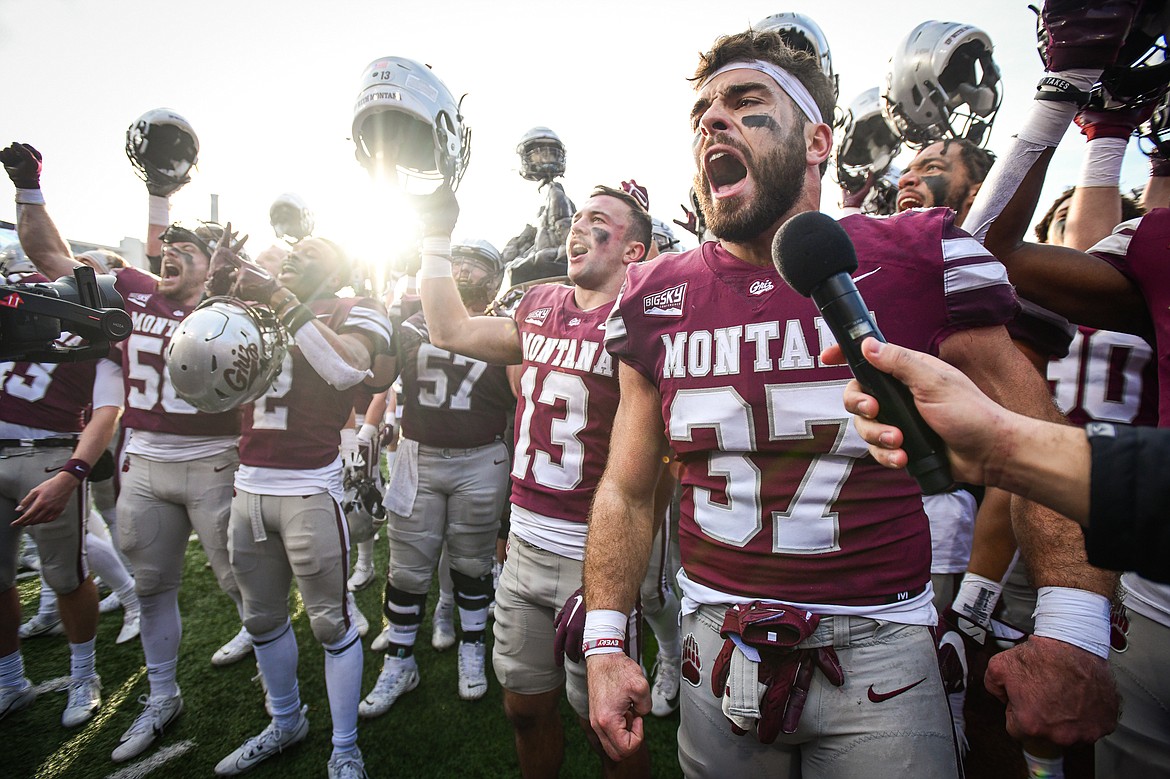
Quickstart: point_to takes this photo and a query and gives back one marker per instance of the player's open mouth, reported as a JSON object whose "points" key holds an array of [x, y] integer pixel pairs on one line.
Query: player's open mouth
{"points": [[577, 249], [171, 270], [725, 171], [909, 200]]}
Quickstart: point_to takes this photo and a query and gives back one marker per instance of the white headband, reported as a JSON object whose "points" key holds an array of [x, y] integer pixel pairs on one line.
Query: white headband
{"points": [[791, 86]]}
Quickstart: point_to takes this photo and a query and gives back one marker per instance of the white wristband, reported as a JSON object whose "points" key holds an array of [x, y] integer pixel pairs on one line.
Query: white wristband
{"points": [[30, 197], [977, 598], [1101, 166], [602, 624], [1076, 617], [436, 258], [159, 210]]}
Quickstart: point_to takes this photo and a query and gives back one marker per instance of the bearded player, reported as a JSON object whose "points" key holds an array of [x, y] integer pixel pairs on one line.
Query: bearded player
{"points": [[176, 471], [785, 520], [568, 393], [450, 481]]}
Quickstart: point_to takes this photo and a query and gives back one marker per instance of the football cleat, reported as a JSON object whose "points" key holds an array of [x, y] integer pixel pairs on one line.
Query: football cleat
{"points": [[380, 643], [443, 626], [42, 625], [235, 650], [359, 620], [399, 676], [109, 603], [85, 698], [664, 694], [159, 713], [363, 576], [15, 698], [271, 741], [473, 682], [131, 626], [347, 765]]}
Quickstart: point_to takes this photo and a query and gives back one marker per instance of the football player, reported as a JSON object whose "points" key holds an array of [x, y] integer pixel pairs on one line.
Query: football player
{"points": [[286, 516], [43, 431], [805, 567], [176, 471], [945, 173], [568, 393], [1120, 285], [448, 486]]}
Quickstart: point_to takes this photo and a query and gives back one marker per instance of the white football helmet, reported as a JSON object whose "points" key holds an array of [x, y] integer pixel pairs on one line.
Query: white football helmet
{"points": [[542, 155], [290, 217], [866, 142], [942, 83], [162, 146], [802, 33], [225, 353], [406, 118]]}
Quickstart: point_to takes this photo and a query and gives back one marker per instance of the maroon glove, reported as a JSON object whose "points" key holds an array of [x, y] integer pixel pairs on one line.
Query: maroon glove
{"points": [[570, 627], [1117, 123], [224, 263], [1076, 34], [774, 631], [637, 192], [22, 163], [254, 283], [855, 199]]}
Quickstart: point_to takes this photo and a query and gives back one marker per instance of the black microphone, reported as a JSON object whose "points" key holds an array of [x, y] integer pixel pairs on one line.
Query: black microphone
{"points": [[815, 257]]}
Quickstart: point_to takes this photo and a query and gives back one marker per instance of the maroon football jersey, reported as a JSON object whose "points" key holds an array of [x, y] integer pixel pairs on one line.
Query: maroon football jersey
{"points": [[568, 398], [1138, 249], [48, 396], [151, 401], [781, 500], [297, 424], [449, 401], [1106, 377]]}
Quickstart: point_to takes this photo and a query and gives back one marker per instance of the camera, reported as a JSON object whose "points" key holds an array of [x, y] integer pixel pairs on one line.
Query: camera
{"points": [[33, 316]]}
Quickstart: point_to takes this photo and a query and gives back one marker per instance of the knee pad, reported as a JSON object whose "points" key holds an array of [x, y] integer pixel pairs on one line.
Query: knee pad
{"points": [[404, 608], [346, 640], [269, 636], [329, 629], [402, 578], [472, 592]]}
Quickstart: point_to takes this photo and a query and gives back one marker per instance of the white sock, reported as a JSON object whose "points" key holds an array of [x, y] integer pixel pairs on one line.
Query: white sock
{"points": [[365, 558], [48, 604], [11, 670], [161, 631], [106, 563], [343, 682], [276, 656], [82, 658]]}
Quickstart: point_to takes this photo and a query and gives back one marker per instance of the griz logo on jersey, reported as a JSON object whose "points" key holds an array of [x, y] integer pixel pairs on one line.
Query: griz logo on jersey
{"points": [[568, 353], [717, 352], [537, 316], [244, 368], [153, 325]]}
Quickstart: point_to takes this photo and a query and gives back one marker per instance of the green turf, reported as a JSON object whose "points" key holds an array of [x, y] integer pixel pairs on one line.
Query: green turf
{"points": [[428, 733]]}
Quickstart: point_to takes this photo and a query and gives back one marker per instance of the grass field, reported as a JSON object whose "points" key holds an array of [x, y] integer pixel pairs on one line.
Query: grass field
{"points": [[428, 733]]}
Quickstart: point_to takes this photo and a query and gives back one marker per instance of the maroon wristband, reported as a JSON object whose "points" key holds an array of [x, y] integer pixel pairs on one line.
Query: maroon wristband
{"points": [[78, 469]]}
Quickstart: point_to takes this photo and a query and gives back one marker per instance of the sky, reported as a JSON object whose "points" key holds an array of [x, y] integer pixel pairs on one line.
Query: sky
{"points": [[269, 87]]}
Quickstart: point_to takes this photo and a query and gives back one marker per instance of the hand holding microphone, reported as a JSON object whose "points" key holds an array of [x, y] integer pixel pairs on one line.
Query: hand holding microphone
{"points": [[815, 257]]}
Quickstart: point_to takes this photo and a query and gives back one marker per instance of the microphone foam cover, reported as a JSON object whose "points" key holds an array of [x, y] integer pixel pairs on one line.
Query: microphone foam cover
{"points": [[809, 248]]}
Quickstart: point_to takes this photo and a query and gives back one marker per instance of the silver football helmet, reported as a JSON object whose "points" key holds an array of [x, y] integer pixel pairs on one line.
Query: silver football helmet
{"points": [[405, 118], [866, 142], [224, 354], [542, 155], [802, 33], [942, 83], [290, 217], [663, 236], [162, 146], [475, 253]]}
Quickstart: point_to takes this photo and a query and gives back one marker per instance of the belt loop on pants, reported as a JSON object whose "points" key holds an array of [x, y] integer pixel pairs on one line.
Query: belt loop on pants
{"points": [[840, 631], [256, 518]]}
